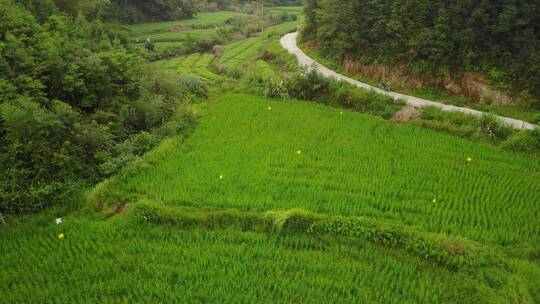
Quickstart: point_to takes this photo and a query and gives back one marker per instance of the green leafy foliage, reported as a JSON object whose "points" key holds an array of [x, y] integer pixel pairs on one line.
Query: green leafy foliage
{"points": [[71, 91], [136, 11], [499, 38]]}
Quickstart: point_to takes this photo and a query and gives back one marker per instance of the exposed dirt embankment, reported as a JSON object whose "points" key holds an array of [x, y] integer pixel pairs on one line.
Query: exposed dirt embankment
{"points": [[470, 84]]}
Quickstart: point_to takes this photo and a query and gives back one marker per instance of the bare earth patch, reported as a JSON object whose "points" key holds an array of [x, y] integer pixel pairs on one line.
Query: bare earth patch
{"points": [[406, 113], [120, 208]]}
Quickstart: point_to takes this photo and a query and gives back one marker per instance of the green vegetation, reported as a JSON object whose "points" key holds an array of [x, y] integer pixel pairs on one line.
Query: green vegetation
{"points": [[177, 181], [434, 38], [165, 40], [180, 36], [194, 65], [194, 257], [76, 103], [206, 19], [136, 11], [433, 93], [237, 53], [350, 164]]}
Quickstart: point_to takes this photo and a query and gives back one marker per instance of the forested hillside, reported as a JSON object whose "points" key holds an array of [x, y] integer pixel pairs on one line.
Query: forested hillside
{"points": [[132, 11], [435, 38], [76, 102]]}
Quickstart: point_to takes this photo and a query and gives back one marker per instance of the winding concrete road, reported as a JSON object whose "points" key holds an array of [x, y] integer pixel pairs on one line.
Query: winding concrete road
{"points": [[288, 42]]}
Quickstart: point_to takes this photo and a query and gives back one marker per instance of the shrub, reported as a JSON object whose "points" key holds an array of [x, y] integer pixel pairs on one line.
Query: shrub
{"points": [[308, 85], [493, 128], [365, 101], [150, 46], [195, 87], [275, 88]]}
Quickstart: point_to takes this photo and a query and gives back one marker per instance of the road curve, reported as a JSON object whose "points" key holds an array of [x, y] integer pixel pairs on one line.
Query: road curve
{"points": [[288, 42]]}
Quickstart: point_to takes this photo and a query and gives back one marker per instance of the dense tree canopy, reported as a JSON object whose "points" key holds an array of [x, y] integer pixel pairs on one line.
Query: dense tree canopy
{"points": [[134, 11], [74, 97], [500, 38]]}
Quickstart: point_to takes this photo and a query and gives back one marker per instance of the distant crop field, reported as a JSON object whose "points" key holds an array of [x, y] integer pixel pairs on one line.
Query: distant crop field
{"points": [[297, 10], [178, 36], [257, 154], [194, 65], [200, 19], [282, 28], [237, 53], [164, 45]]}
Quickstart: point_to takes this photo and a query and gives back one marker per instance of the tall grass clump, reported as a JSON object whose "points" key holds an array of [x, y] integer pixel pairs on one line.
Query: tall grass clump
{"points": [[486, 127]]}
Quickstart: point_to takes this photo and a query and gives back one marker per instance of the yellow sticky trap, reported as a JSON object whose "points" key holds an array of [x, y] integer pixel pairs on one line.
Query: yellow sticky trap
{"points": [[298, 152], [61, 236], [469, 159], [434, 200], [221, 177], [269, 108]]}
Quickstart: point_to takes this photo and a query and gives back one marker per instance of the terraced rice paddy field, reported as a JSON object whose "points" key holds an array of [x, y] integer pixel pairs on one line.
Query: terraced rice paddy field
{"points": [[203, 220], [299, 155], [103, 263], [236, 54], [286, 201], [180, 36], [239, 52], [173, 32], [193, 65], [212, 18]]}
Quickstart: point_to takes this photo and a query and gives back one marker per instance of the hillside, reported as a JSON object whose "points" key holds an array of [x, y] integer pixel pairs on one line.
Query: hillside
{"points": [[210, 217], [482, 53], [194, 160], [298, 155]]}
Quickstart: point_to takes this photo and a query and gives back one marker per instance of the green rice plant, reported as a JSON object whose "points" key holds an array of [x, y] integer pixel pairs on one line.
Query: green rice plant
{"points": [[200, 68], [111, 262], [241, 53], [252, 153], [169, 64], [193, 65], [264, 69]]}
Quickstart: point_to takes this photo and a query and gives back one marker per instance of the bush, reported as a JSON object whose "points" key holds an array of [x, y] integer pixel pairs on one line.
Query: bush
{"points": [[275, 88], [308, 85], [194, 87], [493, 128], [365, 101]]}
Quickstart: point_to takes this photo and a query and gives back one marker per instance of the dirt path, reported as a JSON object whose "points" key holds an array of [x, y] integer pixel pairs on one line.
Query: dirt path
{"points": [[288, 42]]}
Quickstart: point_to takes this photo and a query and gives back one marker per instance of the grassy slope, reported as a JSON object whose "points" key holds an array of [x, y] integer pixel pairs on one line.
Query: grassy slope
{"points": [[350, 164]]}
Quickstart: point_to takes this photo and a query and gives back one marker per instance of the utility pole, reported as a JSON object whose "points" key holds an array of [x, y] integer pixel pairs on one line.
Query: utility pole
{"points": [[262, 23], [262, 16]]}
